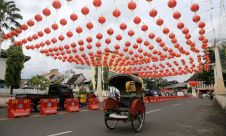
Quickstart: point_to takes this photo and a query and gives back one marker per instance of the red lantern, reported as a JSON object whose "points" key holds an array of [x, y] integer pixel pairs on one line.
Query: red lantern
{"points": [[47, 30], [185, 31], [101, 20], [180, 25], [201, 31], [73, 17], [201, 25], [132, 5], [165, 30], [123, 26], [97, 3], [139, 40], [108, 41], [79, 30], [194, 7], [153, 13], [98, 44], [38, 17], [89, 46], [137, 20], [196, 18], [54, 26], [135, 46], [89, 39], [73, 44], [159, 21], [158, 39], [118, 37], [172, 3], [46, 12], [40, 34], [110, 31], [127, 43], [69, 34], [56, 4], [89, 25], [61, 37], [80, 42], [176, 15], [130, 33], [85, 11], [24, 27], [193, 83], [151, 35], [30, 23], [63, 22], [53, 40], [99, 36], [116, 13], [117, 47], [144, 28], [171, 35]]}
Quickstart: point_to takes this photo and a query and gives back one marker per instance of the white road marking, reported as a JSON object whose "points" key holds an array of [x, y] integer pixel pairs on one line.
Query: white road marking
{"points": [[176, 104], [153, 111], [61, 112], [188, 101], [84, 110], [35, 116], [61, 133], [4, 119]]}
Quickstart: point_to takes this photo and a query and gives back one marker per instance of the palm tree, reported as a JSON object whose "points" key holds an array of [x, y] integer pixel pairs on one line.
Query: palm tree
{"points": [[9, 16]]}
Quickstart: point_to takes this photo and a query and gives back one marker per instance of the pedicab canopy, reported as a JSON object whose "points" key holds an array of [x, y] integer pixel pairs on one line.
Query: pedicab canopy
{"points": [[126, 83], [150, 37]]}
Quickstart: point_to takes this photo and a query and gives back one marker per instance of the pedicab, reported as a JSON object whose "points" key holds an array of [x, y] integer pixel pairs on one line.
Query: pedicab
{"points": [[128, 106]]}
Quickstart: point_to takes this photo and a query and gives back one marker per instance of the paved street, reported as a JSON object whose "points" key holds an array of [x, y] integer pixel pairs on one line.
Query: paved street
{"points": [[189, 117]]}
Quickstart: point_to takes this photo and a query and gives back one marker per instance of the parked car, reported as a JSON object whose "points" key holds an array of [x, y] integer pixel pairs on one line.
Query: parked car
{"points": [[60, 92]]}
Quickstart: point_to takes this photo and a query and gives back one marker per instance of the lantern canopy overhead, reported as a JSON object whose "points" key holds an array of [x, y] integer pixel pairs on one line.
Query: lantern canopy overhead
{"points": [[128, 37]]}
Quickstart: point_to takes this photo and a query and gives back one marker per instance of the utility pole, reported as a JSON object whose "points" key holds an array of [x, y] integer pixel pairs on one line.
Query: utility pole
{"points": [[219, 82]]}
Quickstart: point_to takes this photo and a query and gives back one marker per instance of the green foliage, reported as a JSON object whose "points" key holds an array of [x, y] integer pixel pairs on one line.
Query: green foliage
{"points": [[9, 14], [207, 76], [154, 83], [14, 65], [39, 82], [82, 91], [105, 77]]}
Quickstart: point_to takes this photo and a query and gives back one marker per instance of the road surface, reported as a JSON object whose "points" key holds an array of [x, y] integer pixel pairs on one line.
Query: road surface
{"points": [[188, 117]]}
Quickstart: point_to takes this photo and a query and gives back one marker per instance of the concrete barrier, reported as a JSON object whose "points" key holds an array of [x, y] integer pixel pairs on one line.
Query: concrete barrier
{"points": [[221, 100]]}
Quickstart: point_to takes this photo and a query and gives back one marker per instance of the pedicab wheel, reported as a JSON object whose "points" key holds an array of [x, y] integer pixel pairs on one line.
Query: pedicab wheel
{"points": [[137, 122], [110, 124]]}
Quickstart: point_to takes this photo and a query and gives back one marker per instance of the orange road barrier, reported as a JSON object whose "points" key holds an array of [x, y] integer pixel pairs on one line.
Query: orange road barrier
{"points": [[72, 105], [19, 108], [145, 99], [93, 104], [166, 98], [48, 106]]}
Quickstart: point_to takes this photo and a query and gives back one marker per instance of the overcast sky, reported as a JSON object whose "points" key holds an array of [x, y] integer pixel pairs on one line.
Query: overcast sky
{"points": [[41, 64]]}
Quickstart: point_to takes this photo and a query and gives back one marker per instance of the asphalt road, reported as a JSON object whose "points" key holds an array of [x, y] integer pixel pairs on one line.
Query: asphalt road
{"points": [[188, 117]]}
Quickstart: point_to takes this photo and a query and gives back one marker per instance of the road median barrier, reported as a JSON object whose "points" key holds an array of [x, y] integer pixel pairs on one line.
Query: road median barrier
{"points": [[48, 106], [93, 104], [72, 105], [19, 108]]}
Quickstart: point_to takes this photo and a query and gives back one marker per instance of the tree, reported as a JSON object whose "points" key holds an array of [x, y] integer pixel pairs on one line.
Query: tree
{"points": [[9, 16], [105, 78], [154, 83], [39, 82], [14, 65]]}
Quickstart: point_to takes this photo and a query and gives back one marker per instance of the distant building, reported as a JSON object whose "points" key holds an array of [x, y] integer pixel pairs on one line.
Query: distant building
{"points": [[76, 81], [68, 74], [54, 76], [3, 66]]}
